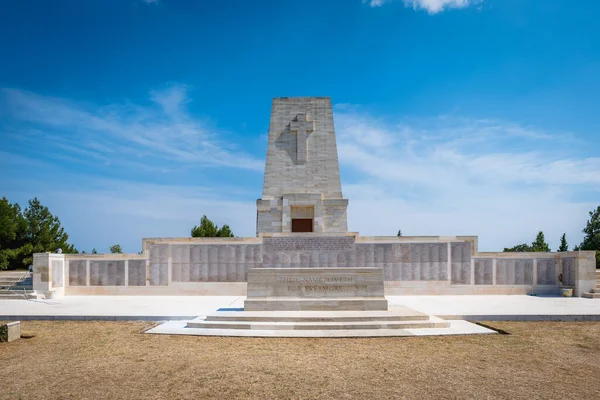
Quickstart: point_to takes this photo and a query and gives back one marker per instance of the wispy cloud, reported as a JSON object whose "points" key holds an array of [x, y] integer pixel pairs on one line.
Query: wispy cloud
{"points": [[450, 175], [447, 175], [107, 211], [431, 6], [160, 135]]}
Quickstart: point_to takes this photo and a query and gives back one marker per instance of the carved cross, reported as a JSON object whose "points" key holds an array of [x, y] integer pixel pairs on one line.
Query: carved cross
{"points": [[302, 127]]}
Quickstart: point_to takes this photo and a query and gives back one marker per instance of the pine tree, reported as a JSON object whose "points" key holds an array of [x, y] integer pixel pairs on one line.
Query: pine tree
{"points": [[206, 229], [34, 230], [563, 243], [591, 240], [13, 228], [225, 231], [518, 248], [540, 245]]}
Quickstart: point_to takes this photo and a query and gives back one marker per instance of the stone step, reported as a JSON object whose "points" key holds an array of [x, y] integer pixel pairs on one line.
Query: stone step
{"points": [[13, 283], [590, 295], [318, 316], [268, 326], [315, 304], [17, 296]]}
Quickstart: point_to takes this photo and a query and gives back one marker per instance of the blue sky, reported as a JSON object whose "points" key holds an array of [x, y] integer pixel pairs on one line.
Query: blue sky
{"points": [[132, 118]]}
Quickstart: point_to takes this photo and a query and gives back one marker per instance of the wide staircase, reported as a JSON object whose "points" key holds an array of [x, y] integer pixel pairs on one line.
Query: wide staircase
{"points": [[395, 322], [595, 292], [16, 285]]}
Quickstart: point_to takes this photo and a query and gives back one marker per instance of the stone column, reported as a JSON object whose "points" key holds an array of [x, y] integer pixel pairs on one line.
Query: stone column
{"points": [[585, 271], [43, 273], [449, 266]]}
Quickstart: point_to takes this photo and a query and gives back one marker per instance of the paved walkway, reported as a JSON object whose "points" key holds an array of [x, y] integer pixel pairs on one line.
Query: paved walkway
{"points": [[161, 308]]}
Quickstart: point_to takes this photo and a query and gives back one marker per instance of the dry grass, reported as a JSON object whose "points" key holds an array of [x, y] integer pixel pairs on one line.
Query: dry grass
{"points": [[107, 360]]}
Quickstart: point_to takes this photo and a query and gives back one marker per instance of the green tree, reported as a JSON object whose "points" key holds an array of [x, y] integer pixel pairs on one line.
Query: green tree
{"points": [[116, 249], [208, 228], [399, 233], [13, 227], [591, 240], [44, 232], [94, 251], [563, 243], [539, 244], [34, 230], [225, 231], [518, 248]]}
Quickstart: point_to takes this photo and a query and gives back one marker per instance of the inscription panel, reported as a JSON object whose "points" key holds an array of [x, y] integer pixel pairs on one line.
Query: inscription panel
{"points": [[77, 273], [57, 274], [514, 272], [568, 271], [315, 282], [460, 254], [321, 243], [483, 271], [546, 272], [107, 273], [136, 273]]}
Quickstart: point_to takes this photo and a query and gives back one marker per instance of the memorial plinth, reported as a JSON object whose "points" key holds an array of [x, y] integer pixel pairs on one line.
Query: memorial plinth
{"points": [[315, 289]]}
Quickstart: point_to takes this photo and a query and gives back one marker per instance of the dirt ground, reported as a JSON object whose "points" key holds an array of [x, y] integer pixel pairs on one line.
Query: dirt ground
{"points": [[108, 360]]}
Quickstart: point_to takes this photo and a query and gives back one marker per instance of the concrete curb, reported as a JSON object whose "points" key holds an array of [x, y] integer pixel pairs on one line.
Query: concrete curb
{"points": [[96, 317], [471, 318]]}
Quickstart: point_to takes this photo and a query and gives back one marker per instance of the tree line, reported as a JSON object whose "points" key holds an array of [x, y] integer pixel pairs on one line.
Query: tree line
{"points": [[27, 231], [34, 229], [591, 239]]}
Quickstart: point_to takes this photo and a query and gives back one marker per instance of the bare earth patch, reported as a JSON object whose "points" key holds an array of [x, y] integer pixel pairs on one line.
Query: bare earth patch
{"points": [[108, 360]]}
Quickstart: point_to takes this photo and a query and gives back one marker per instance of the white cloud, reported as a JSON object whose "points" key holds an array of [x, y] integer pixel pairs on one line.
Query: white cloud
{"points": [[431, 6], [376, 3], [160, 135], [98, 213], [437, 176], [458, 176]]}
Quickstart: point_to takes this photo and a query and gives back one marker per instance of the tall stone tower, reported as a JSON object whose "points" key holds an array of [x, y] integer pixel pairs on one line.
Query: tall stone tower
{"points": [[302, 190]]}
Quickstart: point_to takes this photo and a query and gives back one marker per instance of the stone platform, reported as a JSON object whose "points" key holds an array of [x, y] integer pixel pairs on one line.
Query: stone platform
{"points": [[314, 302], [312, 323]]}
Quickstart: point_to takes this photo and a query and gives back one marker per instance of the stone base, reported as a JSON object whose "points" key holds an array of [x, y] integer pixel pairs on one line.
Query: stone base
{"points": [[315, 289], [314, 323], [10, 331], [348, 304]]}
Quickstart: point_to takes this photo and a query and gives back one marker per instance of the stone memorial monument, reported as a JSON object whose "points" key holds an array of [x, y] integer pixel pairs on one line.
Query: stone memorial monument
{"points": [[304, 270], [302, 191], [302, 214]]}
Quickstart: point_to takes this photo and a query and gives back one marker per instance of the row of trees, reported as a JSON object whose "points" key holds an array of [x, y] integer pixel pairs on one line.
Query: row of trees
{"points": [[35, 230], [591, 239]]}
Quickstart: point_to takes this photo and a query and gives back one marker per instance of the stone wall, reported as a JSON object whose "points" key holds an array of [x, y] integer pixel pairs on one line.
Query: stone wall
{"points": [[410, 266]]}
